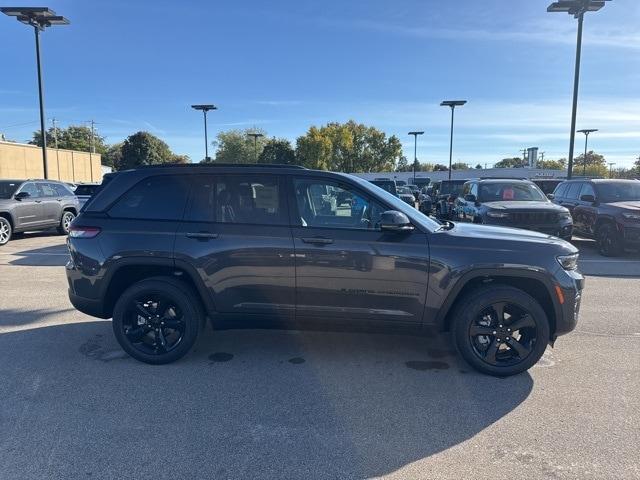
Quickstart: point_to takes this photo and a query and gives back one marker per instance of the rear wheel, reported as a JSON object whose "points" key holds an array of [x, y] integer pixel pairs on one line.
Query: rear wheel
{"points": [[65, 222], [500, 330], [609, 242], [5, 231], [157, 320]]}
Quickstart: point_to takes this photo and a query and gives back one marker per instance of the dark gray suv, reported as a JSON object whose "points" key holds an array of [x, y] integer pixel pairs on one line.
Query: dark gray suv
{"points": [[31, 205], [161, 249]]}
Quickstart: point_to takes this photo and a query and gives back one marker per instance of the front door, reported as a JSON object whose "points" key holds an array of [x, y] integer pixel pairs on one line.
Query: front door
{"points": [[236, 234], [346, 267], [28, 211]]}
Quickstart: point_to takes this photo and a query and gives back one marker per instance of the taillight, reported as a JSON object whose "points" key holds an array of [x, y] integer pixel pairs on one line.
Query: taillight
{"points": [[83, 232]]}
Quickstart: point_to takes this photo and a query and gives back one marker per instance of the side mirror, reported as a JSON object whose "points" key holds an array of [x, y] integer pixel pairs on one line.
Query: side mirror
{"points": [[587, 198], [470, 197], [550, 196], [394, 221], [21, 195]]}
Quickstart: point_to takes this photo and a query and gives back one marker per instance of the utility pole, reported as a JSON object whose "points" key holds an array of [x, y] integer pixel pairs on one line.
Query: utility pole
{"points": [[55, 132], [611, 169], [92, 148]]}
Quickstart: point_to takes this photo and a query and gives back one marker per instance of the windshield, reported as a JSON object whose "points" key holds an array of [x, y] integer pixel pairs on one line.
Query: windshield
{"points": [[618, 191], [8, 188], [508, 191], [399, 205], [447, 188]]}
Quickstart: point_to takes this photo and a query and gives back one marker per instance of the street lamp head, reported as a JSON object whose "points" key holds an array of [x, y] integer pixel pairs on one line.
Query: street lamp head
{"points": [[40, 17], [204, 108], [576, 7], [587, 131], [255, 135], [453, 103], [416, 133]]}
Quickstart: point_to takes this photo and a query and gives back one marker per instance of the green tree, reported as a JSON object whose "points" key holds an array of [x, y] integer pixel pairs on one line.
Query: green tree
{"points": [[74, 137], [478, 167], [594, 165], [348, 147], [235, 146], [438, 167], [560, 164], [460, 166], [278, 150], [143, 148], [513, 162], [113, 156]]}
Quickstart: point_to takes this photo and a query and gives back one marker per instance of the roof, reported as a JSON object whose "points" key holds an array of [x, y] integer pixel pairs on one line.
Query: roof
{"points": [[503, 180]]}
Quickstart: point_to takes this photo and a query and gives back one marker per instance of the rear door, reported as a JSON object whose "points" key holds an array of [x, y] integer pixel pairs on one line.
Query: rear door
{"points": [[29, 211], [236, 235], [51, 203], [585, 214], [346, 267], [570, 198]]}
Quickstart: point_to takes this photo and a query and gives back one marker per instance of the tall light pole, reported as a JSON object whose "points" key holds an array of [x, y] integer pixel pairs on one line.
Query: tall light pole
{"points": [[205, 109], [586, 132], [255, 143], [577, 8], [39, 18], [453, 104], [415, 152], [611, 170]]}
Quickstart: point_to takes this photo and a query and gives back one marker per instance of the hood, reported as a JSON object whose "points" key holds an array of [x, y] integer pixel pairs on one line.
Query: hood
{"points": [[528, 206], [633, 205], [507, 234]]}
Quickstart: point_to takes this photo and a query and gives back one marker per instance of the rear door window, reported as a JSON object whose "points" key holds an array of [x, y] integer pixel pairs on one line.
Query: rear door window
{"points": [[560, 190], [587, 189], [154, 198]]}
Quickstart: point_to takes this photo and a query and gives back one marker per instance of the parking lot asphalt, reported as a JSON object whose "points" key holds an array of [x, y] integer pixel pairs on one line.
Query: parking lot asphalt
{"points": [[307, 405]]}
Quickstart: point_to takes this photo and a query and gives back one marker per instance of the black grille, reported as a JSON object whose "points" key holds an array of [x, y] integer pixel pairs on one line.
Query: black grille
{"points": [[533, 218]]}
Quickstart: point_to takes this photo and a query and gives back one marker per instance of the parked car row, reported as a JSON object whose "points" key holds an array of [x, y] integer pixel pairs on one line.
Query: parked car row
{"points": [[35, 205]]}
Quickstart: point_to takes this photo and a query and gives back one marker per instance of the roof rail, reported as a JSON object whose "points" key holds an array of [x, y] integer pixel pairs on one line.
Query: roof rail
{"points": [[218, 164]]}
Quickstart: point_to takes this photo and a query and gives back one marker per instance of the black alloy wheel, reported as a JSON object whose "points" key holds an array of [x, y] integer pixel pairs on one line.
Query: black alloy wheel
{"points": [[608, 241], [157, 320], [500, 330]]}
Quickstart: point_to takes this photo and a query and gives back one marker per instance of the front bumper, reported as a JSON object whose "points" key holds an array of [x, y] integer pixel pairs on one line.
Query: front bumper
{"points": [[571, 285]]}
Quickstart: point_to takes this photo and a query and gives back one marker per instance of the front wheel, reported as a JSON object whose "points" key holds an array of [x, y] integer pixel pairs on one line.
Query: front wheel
{"points": [[65, 222], [5, 231], [609, 243], [157, 320], [500, 330]]}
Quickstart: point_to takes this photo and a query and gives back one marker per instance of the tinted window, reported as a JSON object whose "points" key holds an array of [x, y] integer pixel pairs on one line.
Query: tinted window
{"points": [[451, 188], [326, 204], [237, 199], [85, 189], [387, 185], [7, 189], [61, 190], [573, 190], [31, 189], [155, 198], [560, 190], [48, 190], [587, 189]]}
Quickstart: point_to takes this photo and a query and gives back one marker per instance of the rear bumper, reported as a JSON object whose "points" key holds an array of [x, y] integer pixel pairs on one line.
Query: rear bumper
{"points": [[89, 306]]}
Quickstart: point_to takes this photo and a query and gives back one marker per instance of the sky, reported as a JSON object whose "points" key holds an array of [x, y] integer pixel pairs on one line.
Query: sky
{"points": [[285, 65]]}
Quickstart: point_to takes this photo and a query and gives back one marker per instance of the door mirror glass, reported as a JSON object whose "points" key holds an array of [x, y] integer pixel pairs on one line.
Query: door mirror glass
{"points": [[587, 198], [470, 197], [395, 221], [550, 196], [21, 195]]}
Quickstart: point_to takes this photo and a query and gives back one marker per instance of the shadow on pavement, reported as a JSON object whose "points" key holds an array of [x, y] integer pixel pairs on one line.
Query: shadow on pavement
{"points": [[52, 256], [243, 404]]}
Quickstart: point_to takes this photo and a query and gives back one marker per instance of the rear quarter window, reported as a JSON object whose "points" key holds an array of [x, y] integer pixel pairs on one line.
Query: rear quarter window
{"points": [[154, 198]]}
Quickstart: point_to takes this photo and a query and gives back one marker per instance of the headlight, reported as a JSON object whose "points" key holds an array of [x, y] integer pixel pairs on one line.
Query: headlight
{"points": [[631, 216], [568, 262], [497, 214]]}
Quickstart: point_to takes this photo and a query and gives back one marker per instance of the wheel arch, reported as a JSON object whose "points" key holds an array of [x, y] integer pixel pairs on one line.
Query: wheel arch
{"points": [[9, 217], [533, 283]]}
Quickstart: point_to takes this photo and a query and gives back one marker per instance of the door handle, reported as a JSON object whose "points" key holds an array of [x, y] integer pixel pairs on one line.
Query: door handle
{"points": [[201, 235], [317, 240]]}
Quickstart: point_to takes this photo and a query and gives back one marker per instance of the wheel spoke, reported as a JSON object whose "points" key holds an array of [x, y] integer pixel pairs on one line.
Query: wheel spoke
{"points": [[476, 330], [135, 334], [519, 348], [524, 322], [162, 307], [490, 354], [160, 338], [499, 309], [142, 310]]}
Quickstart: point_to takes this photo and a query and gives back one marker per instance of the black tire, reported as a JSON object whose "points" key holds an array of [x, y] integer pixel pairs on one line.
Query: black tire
{"points": [[609, 241], [184, 311], [5, 231], [494, 350], [65, 222]]}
